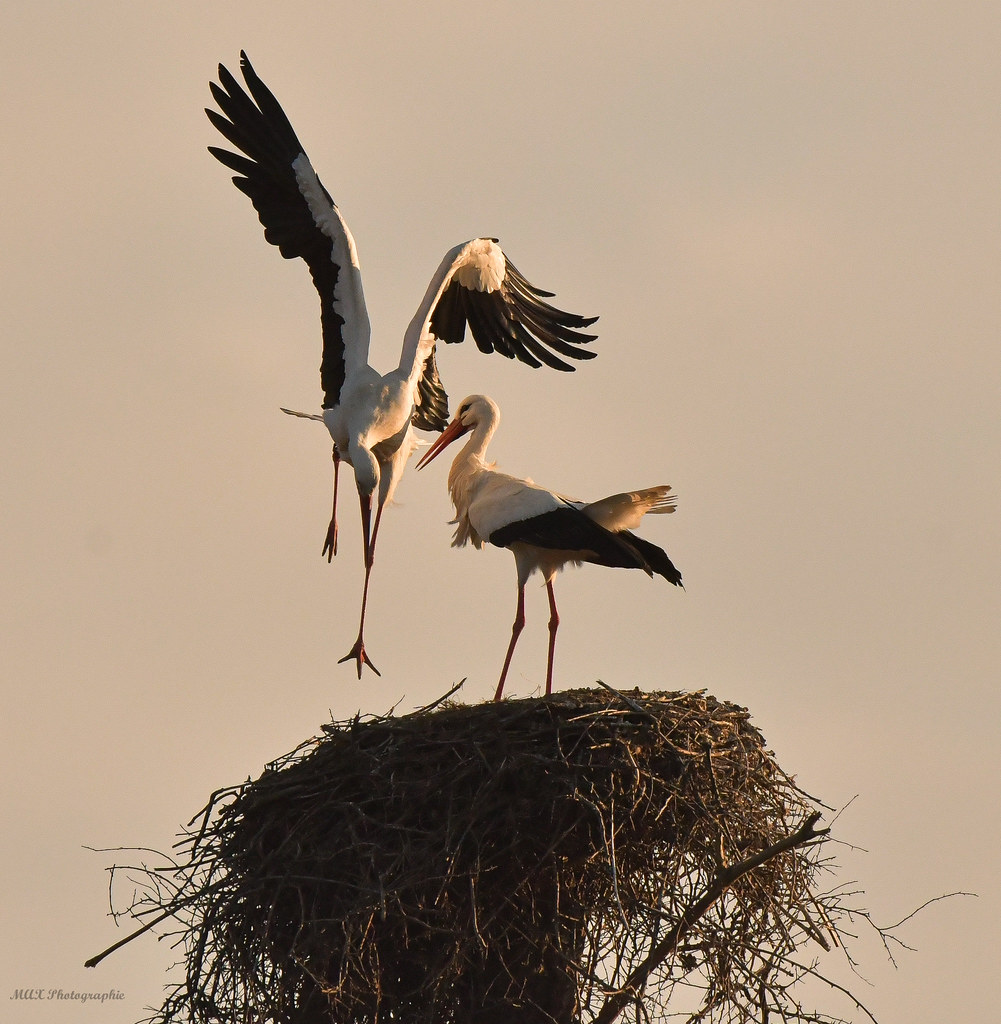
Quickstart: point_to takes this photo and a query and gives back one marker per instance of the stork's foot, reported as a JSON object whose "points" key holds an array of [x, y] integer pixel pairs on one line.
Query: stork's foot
{"points": [[330, 544], [357, 653]]}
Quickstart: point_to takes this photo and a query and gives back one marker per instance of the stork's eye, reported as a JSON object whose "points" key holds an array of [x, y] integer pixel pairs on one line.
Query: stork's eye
{"points": [[464, 409]]}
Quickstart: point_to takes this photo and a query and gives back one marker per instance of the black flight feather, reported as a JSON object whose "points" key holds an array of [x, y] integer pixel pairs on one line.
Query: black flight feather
{"points": [[570, 529], [259, 128]]}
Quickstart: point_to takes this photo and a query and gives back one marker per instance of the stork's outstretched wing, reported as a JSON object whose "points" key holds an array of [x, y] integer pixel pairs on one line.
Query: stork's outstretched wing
{"points": [[297, 213], [477, 285], [625, 511]]}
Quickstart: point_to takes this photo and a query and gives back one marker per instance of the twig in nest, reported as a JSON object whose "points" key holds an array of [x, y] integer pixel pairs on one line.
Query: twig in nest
{"points": [[618, 1001]]}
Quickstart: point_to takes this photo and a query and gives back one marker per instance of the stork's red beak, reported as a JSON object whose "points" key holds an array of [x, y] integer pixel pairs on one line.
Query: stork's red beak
{"points": [[451, 433]]}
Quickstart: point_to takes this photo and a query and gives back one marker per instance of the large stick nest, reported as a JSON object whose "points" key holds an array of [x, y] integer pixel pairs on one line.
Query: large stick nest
{"points": [[562, 859]]}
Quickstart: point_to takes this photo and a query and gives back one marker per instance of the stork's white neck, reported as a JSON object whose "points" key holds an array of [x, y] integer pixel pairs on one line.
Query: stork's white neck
{"points": [[470, 460]]}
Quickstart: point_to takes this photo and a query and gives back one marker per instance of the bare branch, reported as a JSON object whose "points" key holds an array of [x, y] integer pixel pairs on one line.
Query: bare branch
{"points": [[617, 1002]]}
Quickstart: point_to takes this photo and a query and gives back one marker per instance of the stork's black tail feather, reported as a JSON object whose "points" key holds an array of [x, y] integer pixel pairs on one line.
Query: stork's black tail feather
{"points": [[654, 557]]}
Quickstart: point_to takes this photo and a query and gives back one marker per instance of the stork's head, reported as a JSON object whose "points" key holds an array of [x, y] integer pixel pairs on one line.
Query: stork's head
{"points": [[474, 411], [366, 467]]}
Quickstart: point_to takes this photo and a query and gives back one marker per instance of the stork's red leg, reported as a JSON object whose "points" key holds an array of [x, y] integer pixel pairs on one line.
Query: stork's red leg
{"points": [[330, 544], [375, 533], [554, 622], [519, 625], [358, 652]]}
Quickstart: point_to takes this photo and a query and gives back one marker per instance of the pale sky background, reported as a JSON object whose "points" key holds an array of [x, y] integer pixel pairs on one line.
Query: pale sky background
{"points": [[788, 216]]}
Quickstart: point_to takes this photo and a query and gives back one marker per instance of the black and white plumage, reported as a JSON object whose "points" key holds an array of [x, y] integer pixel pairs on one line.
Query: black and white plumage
{"points": [[544, 530], [371, 416]]}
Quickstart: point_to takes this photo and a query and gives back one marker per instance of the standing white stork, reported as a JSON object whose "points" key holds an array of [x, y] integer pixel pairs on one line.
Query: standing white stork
{"points": [[543, 530], [370, 415]]}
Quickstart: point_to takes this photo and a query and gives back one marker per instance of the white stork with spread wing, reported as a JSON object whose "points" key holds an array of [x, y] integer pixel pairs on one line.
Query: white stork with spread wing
{"points": [[544, 530], [371, 416]]}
